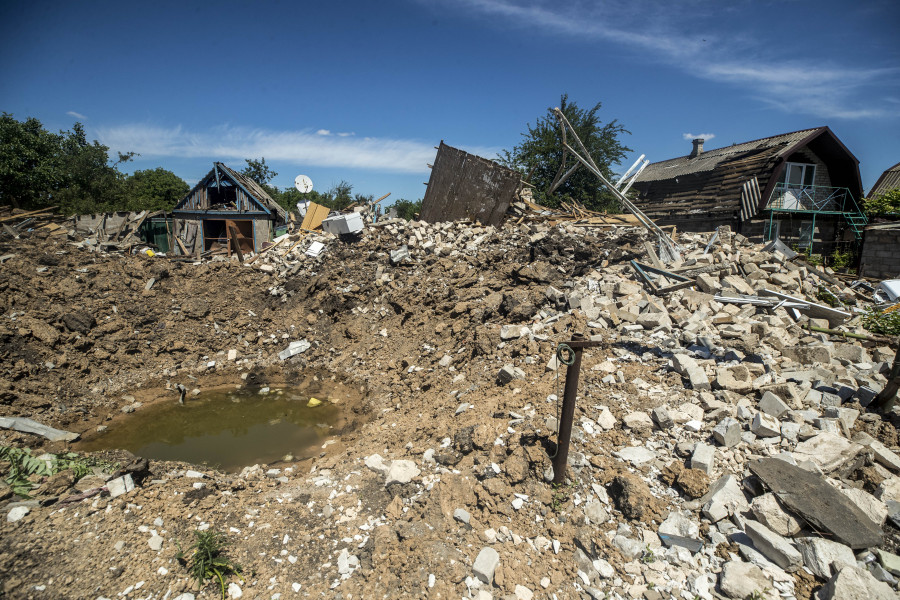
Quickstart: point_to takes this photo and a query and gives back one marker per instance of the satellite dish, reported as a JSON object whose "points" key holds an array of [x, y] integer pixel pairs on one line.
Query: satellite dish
{"points": [[303, 184]]}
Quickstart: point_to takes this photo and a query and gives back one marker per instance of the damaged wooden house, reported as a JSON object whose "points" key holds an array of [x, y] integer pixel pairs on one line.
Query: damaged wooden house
{"points": [[802, 187], [226, 211]]}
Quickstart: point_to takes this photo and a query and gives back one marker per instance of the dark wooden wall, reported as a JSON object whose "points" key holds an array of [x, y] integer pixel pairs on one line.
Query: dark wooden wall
{"points": [[465, 186]]}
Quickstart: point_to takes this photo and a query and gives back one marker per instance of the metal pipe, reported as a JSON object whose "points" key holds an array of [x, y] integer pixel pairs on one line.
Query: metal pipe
{"points": [[578, 343]]}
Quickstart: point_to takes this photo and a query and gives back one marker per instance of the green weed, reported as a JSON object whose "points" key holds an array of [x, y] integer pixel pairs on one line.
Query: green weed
{"points": [[23, 465], [209, 560]]}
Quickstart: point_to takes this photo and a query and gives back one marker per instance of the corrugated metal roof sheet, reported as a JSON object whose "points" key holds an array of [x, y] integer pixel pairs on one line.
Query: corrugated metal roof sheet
{"points": [[889, 180], [710, 159]]}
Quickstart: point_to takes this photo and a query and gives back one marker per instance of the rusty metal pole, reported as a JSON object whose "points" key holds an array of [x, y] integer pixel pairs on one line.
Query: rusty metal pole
{"points": [[578, 343]]}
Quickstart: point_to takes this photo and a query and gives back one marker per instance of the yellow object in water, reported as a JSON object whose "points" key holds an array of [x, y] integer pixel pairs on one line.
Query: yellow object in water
{"points": [[313, 402]]}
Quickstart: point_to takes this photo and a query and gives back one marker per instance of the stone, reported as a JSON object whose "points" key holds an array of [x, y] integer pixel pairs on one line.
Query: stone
{"points": [[461, 515], [770, 513], [734, 379], [853, 583], [629, 548], [773, 546], [596, 512], [639, 421], [728, 432], [632, 496], [829, 451], [485, 564], [401, 471], [654, 320], [513, 332], [703, 458], [765, 425], [773, 405], [120, 485], [724, 499], [812, 498], [156, 543], [17, 513], [688, 368], [819, 554], [809, 355], [400, 254], [636, 455], [294, 348], [742, 580]]}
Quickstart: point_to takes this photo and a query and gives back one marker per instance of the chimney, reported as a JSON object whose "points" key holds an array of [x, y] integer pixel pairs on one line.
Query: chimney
{"points": [[698, 148]]}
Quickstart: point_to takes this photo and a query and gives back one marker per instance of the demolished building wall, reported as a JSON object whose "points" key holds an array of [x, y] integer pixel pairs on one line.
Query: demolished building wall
{"points": [[466, 186]]}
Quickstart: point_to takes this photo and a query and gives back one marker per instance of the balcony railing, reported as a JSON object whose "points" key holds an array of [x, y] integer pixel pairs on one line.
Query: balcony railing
{"points": [[811, 198]]}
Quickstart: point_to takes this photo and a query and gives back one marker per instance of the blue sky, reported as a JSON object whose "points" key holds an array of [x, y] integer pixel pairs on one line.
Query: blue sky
{"points": [[363, 91]]}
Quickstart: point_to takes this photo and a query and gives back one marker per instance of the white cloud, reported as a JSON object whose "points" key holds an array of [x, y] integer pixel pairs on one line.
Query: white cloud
{"points": [[662, 32], [323, 132], [345, 133], [78, 116], [693, 136], [297, 147]]}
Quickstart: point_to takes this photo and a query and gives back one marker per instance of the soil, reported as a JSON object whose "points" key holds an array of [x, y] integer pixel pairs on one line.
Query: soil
{"points": [[406, 346]]}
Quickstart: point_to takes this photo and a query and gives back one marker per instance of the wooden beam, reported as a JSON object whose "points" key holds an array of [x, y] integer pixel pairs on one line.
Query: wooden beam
{"points": [[233, 235]]}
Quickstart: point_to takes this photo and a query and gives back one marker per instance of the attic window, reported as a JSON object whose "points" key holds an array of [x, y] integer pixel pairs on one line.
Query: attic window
{"points": [[800, 174]]}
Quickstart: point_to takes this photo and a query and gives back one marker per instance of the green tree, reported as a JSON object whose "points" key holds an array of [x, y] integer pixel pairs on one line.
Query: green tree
{"points": [[539, 156], [153, 189], [259, 171], [884, 204], [39, 169], [407, 209]]}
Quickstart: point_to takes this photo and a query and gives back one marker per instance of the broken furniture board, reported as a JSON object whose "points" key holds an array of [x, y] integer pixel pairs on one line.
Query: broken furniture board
{"points": [[26, 425], [822, 505], [315, 214], [465, 186]]}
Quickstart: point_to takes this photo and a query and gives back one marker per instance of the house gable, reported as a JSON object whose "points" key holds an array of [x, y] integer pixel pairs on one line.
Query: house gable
{"points": [[224, 191]]}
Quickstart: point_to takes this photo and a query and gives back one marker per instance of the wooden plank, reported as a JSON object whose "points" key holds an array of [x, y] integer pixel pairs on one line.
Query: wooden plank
{"points": [[27, 214], [234, 238], [181, 245], [653, 257]]}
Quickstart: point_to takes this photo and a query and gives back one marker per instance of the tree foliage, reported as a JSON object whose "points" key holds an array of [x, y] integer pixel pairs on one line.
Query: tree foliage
{"points": [[407, 209], [539, 156], [154, 189], [39, 169], [884, 204]]}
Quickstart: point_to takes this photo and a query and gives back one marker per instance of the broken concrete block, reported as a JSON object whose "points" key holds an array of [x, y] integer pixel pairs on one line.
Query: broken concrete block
{"points": [[662, 418], [890, 562], [654, 320], [811, 497], [485, 564], [724, 499], [509, 373], [636, 455], [853, 583], [741, 580], [873, 508], [889, 489], [294, 348], [728, 432], [882, 454], [819, 554], [708, 283], [773, 405], [401, 471], [120, 485], [734, 379], [829, 451], [765, 425], [774, 547], [400, 254], [809, 355], [703, 458], [687, 367], [513, 332], [625, 288], [847, 416], [679, 525], [770, 513], [639, 421]]}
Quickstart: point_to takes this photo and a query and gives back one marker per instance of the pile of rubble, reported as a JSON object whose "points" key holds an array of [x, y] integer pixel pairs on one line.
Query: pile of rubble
{"points": [[721, 447]]}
